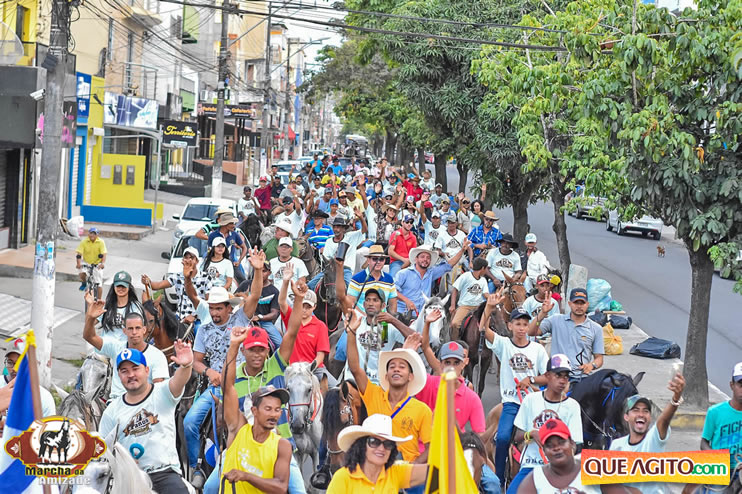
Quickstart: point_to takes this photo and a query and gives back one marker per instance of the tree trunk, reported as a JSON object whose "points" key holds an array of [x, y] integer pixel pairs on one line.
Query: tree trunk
{"points": [[462, 175], [405, 156], [440, 170], [391, 144], [520, 220], [378, 146], [421, 160], [696, 385], [560, 225]]}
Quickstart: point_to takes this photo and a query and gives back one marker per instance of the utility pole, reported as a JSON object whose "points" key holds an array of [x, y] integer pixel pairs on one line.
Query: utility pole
{"points": [[216, 172], [265, 111], [286, 141], [47, 211]]}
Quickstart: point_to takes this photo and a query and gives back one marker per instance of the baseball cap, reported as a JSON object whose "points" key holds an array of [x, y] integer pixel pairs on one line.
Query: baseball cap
{"points": [[410, 198], [328, 190], [334, 201], [310, 298], [285, 241], [93, 230], [531, 238], [578, 294], [519, 313], [543, 278], [631, 402], [192, 251], [263, 179], [451, 218], [439, 184], [122, 278], [410, 175], [218, 241], [558, 363], [427, 204], [342, 194], [270, 390], [452, 350], [445, 200], [553, 427], [256, 336], [284, 224], [377, 292], [435, 214], [737, 373], [408, 217], [131, 355], [16, 346], [287, 200]]}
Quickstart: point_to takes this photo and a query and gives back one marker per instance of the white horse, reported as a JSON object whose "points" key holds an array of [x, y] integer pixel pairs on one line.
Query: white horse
{"points": [[439, 330], [305, 412], [87, 403]]}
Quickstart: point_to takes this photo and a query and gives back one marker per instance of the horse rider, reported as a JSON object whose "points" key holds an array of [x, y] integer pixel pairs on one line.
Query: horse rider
{"points": [[260, 369], [293, 210], [533, 304], [432, 227], [537, 264], [247, 204], [574, 334], [401, 242], [143, 418], [646, 438], [283, 229], [502, 261], [135, 331], [469, 291], [401, 376], [318, 232], [91, 252], [263, 195], [234, 240], [537, 408], [351, 241], [373, 277], [268, 310], [201, 239], [522, 364], [278, 264], [212, 342], [12, 354], [721, 427], [484, 236], [417, 280], [451, 239]]}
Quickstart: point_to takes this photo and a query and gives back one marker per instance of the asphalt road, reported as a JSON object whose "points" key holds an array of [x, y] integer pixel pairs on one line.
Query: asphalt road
{"points": [[654, 291]]}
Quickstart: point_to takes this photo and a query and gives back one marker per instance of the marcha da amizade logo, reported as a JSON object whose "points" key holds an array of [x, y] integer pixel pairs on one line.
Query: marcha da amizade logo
{"points": [[55, 447]]}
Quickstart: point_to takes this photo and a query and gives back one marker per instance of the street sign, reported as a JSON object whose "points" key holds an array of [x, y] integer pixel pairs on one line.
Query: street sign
{"points": [[230, 111], [179, 134]]}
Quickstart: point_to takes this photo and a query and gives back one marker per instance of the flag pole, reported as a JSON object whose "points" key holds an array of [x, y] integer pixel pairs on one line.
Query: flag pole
{"points": [[451, 415], [33, 375]]}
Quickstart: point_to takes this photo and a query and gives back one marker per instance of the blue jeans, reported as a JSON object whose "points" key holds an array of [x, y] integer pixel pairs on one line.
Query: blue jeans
{"points": [[502, 441], [193, 421], [394, 268], [490, 482], [341, 348], [296, 483], [347, 275], [522, 474], [273, 333]]}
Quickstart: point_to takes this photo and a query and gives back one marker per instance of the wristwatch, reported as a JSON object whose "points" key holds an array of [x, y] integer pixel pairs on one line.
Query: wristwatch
{"points": [[595, 367]]}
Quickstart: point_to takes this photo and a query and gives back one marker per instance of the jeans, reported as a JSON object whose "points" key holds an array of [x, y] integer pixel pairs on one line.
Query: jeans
{"points": [[341, 348], [273, 333], [522, 474], [296, 482], [504, 433], [193, 420], [394, 268], [167, 482], [347, 275], [490, 482]]}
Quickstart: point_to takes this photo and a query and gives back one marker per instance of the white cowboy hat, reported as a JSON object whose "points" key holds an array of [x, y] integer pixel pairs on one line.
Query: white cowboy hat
{"points": [[419, 375], [377, 425], [424, 248], [285, 225], [219, 295]]}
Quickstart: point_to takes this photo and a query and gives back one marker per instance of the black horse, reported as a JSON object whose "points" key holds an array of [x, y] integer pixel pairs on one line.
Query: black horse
{"points": [[601, 396], [56, 440], [328, 307], [252, 227]]}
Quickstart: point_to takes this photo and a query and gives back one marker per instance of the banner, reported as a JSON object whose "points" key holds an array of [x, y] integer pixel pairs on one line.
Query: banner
{"points": [[176, 133], [687, 467], [130, 111], [83, 94]]}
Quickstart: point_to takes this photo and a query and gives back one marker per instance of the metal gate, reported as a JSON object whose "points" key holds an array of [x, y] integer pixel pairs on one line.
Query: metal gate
{"points": [[4, 233]]}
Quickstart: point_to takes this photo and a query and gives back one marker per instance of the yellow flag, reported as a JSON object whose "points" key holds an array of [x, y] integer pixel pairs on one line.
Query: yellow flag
{"points": [[441, 449]]}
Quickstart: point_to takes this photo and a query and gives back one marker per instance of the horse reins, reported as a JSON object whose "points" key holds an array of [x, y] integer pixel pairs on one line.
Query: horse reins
{"points": [[313, 405]]}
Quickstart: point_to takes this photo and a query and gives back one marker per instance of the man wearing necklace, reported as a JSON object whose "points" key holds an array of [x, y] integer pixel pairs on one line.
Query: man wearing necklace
{"points": [[537, 408]]}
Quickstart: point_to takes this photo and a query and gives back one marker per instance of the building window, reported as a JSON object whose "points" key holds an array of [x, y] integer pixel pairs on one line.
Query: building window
{"points": [[21, 16], [110, 39], [249, 72]]}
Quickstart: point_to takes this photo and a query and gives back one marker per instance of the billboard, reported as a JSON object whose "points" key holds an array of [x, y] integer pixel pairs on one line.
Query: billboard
{"points": [[130, 111], [175, 133]]}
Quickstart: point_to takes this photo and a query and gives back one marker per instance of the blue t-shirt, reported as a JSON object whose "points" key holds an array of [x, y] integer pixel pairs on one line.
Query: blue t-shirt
{"points": [[336, 168], [723, 430], [232, 238]]}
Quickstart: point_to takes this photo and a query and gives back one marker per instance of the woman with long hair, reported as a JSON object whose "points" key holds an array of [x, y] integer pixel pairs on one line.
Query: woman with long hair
{"points": [[477, 210], [120, 301], [370, 460], [218, 265]]}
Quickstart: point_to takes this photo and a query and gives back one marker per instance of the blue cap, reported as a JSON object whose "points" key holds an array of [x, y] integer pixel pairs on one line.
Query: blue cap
{"points": [[334, 201], [408, 217], [93, 229], [131, 355], [519, 313], [410, 175]]}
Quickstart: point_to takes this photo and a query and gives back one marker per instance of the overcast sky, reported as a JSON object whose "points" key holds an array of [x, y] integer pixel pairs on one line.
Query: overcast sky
{"points": [[309, 32]]}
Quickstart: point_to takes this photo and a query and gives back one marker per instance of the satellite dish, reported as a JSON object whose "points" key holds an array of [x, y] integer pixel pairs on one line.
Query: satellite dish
{"points": [[11, 48]]}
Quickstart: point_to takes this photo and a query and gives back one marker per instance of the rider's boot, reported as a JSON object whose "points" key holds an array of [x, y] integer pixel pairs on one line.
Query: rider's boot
{"points": [[197, 477]]}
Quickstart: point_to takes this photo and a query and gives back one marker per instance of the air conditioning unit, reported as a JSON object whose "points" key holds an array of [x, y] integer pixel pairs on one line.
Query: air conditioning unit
{"points": [[204, 95]]}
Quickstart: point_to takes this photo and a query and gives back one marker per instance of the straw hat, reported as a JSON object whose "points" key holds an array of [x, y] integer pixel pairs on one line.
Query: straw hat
{"points": [[424, 248], [416, 365], [377, 425]]}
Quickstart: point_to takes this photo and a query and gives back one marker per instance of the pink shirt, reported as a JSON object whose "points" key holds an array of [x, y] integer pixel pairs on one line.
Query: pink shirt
{"points": [[467, 402]]}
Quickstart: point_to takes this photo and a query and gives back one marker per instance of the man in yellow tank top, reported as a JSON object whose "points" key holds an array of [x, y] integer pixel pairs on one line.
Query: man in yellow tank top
{"points": [[257, 459]]}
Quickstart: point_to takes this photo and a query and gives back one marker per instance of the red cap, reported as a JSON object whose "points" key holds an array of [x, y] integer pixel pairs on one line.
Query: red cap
{"points": [[263, 179], [553, 427], [428, 204], [256, 336]]}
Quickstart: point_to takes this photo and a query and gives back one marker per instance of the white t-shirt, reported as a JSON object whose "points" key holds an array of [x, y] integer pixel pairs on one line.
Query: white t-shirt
{"points": [[297, 221], [650, 444], [471, 290], [543, 486], [537, 264], [352, 239], [116, 332], [220, 271], [533, 306], [517, 363], [300, 270], [500, 263], [534, 411], [432, 234], [247, 206], [156, 362], [369, 344], [150, 423], [48, 407], [451, 244]]}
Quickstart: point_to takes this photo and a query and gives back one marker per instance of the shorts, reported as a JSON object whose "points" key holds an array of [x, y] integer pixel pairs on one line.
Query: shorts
{"points": [[97, 273]]}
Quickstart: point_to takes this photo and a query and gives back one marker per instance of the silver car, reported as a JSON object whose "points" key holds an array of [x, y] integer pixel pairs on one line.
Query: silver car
{"points": [[646, 225]]}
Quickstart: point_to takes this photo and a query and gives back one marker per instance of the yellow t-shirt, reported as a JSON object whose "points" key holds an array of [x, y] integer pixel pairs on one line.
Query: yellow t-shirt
{"points": [[414, 419], [326, 179], [248, 455], [90, 250], [389, 481]]}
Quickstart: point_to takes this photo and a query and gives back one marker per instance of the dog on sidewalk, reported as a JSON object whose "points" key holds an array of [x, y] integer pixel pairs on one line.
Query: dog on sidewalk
{"points": [[660, 250]]}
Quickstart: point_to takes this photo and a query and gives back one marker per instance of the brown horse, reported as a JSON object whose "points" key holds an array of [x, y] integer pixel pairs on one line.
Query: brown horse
{"points": [[163, 327], [473, 337], [514, 292]]}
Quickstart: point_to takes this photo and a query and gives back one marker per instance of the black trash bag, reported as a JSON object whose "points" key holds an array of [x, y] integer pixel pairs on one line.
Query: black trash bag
{"points": [[656, 348], [599, 318], [620, 322]]}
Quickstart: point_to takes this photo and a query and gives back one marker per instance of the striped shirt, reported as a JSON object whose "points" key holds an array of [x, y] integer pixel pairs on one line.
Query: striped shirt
{"points": [[385, 285], [318, 237], [478, 236]]}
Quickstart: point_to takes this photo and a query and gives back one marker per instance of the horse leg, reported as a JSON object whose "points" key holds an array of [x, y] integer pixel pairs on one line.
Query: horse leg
{"points": [[493, 419]]}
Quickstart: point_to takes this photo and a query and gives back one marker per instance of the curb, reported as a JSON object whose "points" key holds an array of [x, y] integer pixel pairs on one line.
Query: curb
{"points": [[9, 271]]}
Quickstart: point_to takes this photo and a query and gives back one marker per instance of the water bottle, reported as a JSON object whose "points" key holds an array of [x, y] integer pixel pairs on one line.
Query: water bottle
{"points": [[384, 333]]}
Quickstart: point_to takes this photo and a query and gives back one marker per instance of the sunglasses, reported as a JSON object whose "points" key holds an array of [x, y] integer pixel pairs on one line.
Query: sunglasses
{"points": [[376, 259], [375, 442], [409, 222], [465, 202]]}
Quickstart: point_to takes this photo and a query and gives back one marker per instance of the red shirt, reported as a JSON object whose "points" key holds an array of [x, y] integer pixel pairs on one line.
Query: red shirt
{"points": [[402, 243], [312, 338], [467, 402], [413, 190], [264, 197]]}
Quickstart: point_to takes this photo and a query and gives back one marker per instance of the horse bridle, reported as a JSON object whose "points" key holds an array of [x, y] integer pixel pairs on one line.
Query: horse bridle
{"points": [[313, 406], [346, 409], [509, 288]]}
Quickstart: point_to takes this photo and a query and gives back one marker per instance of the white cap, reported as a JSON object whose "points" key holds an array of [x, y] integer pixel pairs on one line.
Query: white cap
{"points": [[284, 224], [192, 251], [285, 241], [531, 238], [218, 241], [737, 374]]}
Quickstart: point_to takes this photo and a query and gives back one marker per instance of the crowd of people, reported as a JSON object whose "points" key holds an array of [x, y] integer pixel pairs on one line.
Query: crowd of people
{"points": [[395, 239]]}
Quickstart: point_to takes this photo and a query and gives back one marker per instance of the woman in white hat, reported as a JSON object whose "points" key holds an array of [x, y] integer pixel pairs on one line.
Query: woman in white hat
{"points": [[217, 264], [370, 455]]}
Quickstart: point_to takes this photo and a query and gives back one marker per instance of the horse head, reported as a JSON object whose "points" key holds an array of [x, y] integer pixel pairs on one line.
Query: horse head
{"points": [[515, 292], [95, 375], [305, 398], [440, 329]]}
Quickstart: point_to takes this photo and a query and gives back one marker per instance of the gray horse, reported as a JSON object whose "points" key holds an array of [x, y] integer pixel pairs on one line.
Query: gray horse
{"points": [[305, 412], [86, 404]]}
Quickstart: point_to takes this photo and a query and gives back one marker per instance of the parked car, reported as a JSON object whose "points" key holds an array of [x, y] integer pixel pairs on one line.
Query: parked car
{"points": [[730, 276], [587, 206], [646, 225], [198, 212]]}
